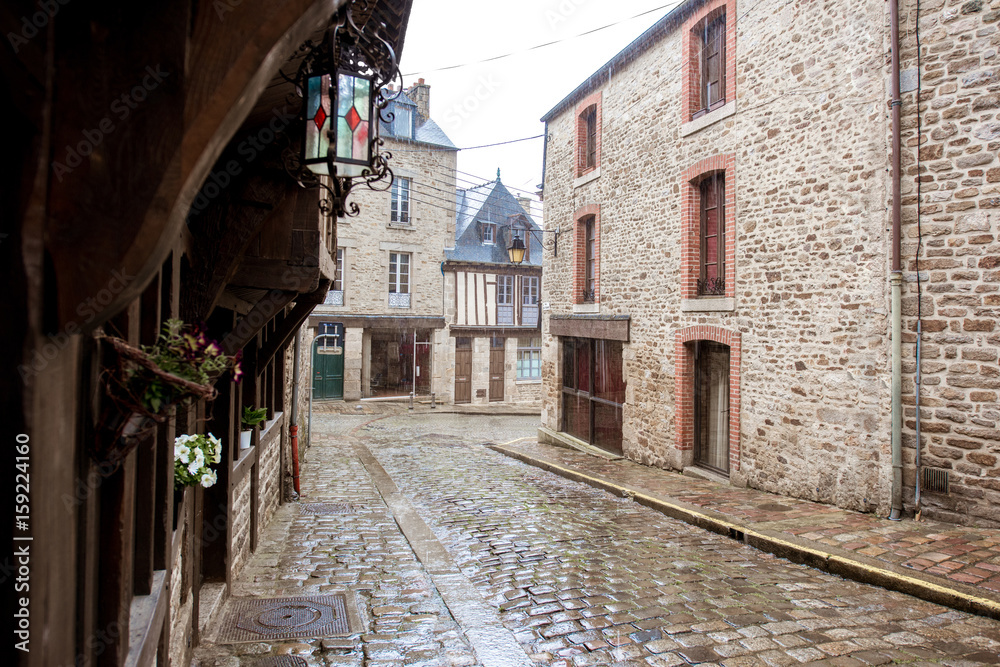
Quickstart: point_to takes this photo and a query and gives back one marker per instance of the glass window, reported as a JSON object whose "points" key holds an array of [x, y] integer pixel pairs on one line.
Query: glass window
{"points": [[590, 117], [488, 233], [529, 290], [712, 264], [400, 207], [402, 124], [593, 391], [338, 276], [399, 273], [505, 290], [529, 358], [590, 257], [712, 40]]}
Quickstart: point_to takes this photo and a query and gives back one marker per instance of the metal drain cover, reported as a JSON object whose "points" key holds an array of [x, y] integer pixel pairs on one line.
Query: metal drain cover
{"points": [[281, 661], [325, 508], [256, 620]]}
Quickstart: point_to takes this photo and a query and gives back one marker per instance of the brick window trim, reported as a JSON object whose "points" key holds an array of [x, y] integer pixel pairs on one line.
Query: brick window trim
{"points": [[580, 141], [691, 81], [691, 223], [684, 372], [580, 252]]}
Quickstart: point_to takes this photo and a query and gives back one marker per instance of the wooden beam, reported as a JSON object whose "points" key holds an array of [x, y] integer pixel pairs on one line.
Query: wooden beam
{"points": [[248, 327], [304, 305]]}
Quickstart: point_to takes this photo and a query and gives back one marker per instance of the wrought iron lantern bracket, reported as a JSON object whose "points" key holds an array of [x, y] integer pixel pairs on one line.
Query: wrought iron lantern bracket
{"points": [[343, 86], [517, 249]]}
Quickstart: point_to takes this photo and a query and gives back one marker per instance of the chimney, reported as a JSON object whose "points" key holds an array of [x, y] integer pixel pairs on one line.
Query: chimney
{"points": [[525, 203], [420, 93]]}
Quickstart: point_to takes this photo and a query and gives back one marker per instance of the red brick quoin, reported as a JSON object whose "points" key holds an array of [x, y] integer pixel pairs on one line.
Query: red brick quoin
{"points": [[684, 370], [691, 82], [580, 252], [580, 142], [691, 223]]}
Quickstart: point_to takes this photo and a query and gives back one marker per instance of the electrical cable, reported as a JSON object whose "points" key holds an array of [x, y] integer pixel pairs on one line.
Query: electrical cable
{"points": [[539, 46]]}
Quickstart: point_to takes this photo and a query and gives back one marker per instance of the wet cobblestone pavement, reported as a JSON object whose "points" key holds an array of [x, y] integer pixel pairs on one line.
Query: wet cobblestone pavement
{"points": [[575, 575]]}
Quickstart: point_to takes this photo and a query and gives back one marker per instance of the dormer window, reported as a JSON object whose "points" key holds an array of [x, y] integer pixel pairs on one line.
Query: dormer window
{"points": [[402, 125], [489, 233]]}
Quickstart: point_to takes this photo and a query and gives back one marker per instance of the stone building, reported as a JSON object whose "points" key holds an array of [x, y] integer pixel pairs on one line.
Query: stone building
{"points": [[725, 305], [492, 306], [381, 331]]}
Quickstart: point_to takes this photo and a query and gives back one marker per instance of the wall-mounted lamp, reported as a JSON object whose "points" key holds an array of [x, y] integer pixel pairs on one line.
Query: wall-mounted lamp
{"points": [[343, 81], [517, 249]]}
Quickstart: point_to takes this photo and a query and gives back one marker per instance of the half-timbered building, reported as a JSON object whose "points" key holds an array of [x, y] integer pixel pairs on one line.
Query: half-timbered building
{"points": [[492, 306], [146, 182]]}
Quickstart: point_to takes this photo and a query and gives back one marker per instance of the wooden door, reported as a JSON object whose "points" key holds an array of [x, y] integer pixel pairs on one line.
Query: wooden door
{"points": [[711, 406], [328, 365], [497, 349], [463, 370]]}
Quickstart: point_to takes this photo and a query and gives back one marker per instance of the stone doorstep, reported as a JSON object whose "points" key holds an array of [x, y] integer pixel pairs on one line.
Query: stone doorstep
{"points": [[211, 598], [847, 564]]}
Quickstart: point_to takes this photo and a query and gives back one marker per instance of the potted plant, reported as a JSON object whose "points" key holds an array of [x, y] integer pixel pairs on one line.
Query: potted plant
{"points": [[193, 456], [143, 383], [250, 419]]}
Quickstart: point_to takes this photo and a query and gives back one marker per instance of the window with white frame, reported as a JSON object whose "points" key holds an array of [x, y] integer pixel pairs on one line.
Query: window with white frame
{"points": [[399, 280], [505, 290], [489, 235], [529, 290], [529, 358], [400, 207], [335, 297]]}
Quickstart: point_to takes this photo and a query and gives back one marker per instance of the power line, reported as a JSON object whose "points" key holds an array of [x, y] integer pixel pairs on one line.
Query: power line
{"points": [[468, 148], [539, 46]]}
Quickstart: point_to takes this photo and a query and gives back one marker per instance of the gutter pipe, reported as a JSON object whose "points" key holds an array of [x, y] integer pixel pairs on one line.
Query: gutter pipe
{"points": [[294, 430], [896, 277]]}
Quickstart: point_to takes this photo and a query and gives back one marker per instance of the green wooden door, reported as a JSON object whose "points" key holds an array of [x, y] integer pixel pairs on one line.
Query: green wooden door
{"points": [[328, 365]]}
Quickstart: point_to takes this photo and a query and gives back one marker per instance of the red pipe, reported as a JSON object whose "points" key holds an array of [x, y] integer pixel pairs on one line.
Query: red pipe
{"points": [[295, 457]]}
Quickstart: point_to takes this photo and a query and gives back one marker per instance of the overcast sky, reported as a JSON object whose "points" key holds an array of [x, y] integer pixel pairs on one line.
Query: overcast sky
{"points": [[503, 99]]}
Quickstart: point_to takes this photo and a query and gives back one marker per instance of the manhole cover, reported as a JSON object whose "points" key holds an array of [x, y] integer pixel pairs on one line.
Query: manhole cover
{"points": [[281, 661], [325, 508], [774, 507], [252, 620]]}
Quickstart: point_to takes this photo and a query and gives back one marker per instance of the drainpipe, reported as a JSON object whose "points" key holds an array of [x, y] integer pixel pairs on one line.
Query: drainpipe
{"points": [[896, 278], [294, 430]]}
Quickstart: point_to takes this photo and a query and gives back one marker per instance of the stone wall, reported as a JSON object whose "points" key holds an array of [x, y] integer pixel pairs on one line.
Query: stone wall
{"points": [[952, 182], [270, 474], [240, 525], [807, 132]]}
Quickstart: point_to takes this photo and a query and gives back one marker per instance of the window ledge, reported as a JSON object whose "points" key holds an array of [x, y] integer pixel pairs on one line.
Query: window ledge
{"points": [[532, 381], [587, 178], [708, 305], [586, 307], [408, 226], [708, 119]]}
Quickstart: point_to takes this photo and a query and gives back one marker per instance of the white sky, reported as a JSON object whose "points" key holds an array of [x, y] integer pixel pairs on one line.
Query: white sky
{"points": [[502, 100]]}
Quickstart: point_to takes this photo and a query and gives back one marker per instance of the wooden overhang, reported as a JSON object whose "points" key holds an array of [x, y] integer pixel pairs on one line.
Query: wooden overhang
{"points": [[454, 266], [605, 327]]}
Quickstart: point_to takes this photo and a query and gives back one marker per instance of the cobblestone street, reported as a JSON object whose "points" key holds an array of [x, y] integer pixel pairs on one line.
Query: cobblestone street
{"points": [[458, 555]]}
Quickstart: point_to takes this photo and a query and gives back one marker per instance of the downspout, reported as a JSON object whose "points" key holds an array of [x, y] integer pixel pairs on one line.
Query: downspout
{"points": [[294, 430], [896, 278]]}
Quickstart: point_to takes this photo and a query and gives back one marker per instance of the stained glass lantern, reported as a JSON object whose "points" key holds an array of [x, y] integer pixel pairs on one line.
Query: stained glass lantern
{"points": [[338, 123]]}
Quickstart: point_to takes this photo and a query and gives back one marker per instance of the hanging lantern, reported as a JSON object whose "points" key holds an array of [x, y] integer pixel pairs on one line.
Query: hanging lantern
{"points": [[338, 123]]}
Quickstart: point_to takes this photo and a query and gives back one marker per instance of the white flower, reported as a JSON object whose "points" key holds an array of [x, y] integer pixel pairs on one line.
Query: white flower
{"points": [[182, 453], [198, 463], [208, 478]]}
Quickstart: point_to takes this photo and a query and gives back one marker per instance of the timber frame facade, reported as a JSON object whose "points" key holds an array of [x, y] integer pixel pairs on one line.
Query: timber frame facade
{"points": [[144, 183]]}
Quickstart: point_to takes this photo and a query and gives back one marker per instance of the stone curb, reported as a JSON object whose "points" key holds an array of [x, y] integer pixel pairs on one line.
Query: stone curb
{"points": [[835, 561]]}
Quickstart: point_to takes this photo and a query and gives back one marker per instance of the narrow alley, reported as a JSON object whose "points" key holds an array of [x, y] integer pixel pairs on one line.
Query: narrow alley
{"points": [[446, 552]]}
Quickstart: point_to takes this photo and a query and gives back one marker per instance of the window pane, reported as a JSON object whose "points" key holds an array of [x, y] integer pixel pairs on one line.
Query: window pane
{"points": [[608, 427], [576, 416], [608, 382]]}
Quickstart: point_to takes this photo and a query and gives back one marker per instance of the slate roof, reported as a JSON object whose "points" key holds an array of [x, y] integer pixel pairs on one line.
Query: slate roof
{"points": [[427, 132], [490, 203]]}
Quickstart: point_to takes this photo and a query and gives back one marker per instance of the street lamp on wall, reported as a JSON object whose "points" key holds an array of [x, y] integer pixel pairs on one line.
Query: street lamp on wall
{"points": [[517, 249], [343, 81]]}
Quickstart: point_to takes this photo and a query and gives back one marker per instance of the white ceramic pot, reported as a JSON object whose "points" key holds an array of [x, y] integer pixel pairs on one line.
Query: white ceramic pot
{"points": [[245, 438]]}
